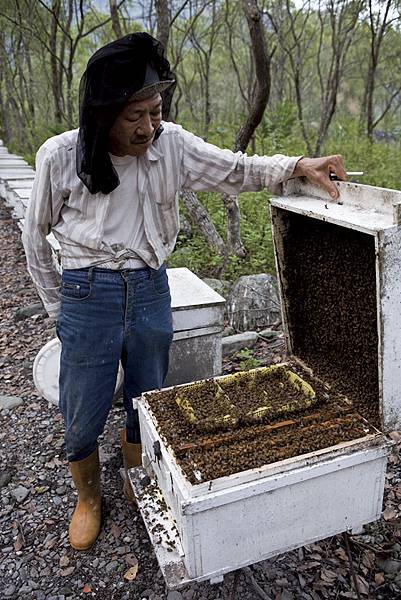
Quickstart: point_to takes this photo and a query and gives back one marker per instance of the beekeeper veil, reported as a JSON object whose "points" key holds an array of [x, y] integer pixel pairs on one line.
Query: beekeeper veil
{"points": [[131, 68]]}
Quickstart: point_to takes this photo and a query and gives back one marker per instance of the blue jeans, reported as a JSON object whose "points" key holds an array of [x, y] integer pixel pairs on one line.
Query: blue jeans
{"points": [[106, 316]]}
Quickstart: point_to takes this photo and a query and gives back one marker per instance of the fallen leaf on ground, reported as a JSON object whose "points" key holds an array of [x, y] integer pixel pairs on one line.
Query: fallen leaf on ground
{"points": [[19, 543], [67, 571], [328, 576], [131, 573], [86, 589], [389, 513], [309, 565], [369, 559], [379, 578], [64, 561], [362, 585], [342, 555]]}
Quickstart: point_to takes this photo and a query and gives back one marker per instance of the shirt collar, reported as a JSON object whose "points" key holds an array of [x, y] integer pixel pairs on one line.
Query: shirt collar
{"points": [[154, 152]]}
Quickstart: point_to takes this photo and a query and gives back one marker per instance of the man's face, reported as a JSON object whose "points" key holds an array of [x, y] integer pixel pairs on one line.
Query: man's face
{"points": [[134, 129]]}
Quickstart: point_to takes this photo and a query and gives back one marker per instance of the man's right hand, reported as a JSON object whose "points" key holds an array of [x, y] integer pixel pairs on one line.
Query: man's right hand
{"points": [[318, 171]]}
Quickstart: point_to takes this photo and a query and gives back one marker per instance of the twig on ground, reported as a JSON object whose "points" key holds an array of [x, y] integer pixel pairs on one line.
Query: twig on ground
{"points": [[351, 565], [249, 575], [375, 549]]}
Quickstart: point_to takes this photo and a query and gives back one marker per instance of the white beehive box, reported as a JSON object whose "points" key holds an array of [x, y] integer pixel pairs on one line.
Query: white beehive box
{"points": [[198, 320], [227, 523]]}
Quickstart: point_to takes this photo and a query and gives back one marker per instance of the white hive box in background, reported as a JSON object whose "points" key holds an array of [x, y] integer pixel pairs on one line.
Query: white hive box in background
{"points": [[198, 320], [223, 524]]}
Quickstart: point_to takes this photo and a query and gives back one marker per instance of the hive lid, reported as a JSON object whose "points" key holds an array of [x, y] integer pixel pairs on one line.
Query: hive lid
{"points": [[195, 305], [364, 303], [363, 207], [188, 290], [46, 368]]}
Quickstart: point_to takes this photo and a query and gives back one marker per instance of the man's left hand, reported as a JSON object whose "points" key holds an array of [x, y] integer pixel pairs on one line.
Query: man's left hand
{"points": [[318, 171]]}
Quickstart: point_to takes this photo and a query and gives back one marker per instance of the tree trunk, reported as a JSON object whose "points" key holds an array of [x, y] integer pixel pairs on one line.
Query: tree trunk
{"points": [[200, 217], [163, 22], [54, 65], [260, 97], [262, 73], [196, 211], [115, 19], [378, 30]]}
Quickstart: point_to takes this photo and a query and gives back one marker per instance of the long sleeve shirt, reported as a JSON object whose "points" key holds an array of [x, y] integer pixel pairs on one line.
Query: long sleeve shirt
{"points": [[80, 221]]}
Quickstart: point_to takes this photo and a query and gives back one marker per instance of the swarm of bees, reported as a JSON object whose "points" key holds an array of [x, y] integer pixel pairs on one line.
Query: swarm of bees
{"points": [[206, 454], [249, 397], [235, 424], [330, 294]]}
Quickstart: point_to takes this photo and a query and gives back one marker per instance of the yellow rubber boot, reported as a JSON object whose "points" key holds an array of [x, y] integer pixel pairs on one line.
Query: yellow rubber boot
{"points": [[86, 520], [132, 457]]}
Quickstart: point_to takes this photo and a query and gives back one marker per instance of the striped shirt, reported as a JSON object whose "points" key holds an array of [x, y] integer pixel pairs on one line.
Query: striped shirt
{"points": [[61, 203]]}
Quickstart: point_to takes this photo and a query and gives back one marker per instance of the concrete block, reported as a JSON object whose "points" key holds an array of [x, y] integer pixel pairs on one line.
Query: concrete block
{"points": [[234, 343]]}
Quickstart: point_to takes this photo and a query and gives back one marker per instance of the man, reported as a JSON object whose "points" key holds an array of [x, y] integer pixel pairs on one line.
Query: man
{"points": [[108, 191]]}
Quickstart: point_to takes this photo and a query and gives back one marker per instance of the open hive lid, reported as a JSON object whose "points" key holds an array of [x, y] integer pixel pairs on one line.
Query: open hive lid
{"points": [[339, 272]]}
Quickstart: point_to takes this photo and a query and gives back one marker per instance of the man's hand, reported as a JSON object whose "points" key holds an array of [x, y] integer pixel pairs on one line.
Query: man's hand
{"points": [[318, 170]]}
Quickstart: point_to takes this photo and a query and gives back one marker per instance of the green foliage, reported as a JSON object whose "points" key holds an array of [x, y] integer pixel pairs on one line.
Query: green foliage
{"points": [[379, 160], [195, 254], [248, 360], [276, 127]]}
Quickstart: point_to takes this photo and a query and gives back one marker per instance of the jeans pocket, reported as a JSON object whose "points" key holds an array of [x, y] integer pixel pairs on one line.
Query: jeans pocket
{"points": [[160, 283], [72, 290]]}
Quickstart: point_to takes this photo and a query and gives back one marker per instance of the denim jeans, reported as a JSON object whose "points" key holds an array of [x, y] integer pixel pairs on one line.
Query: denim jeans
{"points": [[106, 316]]}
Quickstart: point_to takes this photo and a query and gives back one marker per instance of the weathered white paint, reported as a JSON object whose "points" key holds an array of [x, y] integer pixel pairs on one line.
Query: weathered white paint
{"points": [[7, 158], [362, 207], [191, 296], [15, 174], [389, 310], [244, 518], [164, 537], [20, 183]]}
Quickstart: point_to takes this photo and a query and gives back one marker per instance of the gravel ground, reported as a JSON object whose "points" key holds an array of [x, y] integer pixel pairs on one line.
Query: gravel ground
{"points": [[37, 496]]}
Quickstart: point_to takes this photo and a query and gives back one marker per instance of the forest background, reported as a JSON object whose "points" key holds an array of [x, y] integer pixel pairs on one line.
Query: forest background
{"points": [[267, 76]]}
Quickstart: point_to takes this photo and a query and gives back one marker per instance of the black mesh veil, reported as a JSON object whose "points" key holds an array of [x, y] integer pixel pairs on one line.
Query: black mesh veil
{"points": [[114, 74]]}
